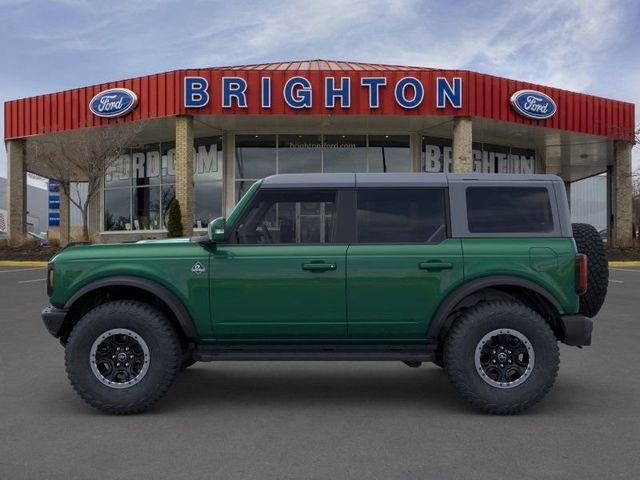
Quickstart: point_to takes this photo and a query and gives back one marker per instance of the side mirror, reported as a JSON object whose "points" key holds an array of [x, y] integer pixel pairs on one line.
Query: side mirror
{"points": [[217, 229]]}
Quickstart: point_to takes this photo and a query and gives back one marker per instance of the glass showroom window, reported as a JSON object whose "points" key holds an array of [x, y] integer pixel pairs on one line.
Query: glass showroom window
{"points": [[258, 156], [437, 156], [136, 186], [389, 153], [255, 159], [207, 180], [140, 185]]}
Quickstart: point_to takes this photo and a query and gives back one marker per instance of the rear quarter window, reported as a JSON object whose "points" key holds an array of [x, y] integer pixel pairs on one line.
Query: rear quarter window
{"points": [[509, 210]]}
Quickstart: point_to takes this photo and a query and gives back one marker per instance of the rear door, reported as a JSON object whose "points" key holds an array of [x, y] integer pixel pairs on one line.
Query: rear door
{"points": [[401, 264]]}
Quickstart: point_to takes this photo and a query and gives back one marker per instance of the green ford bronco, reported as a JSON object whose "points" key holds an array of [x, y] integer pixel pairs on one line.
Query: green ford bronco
{"points": [[481, 274]]}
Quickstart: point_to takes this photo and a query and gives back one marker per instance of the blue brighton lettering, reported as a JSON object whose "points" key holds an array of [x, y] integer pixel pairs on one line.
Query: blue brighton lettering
{"points": [[400, 92], [444, 92], [374, 84], [297, 92], [234, 87], [266, 92], [331, 92], [195, 92]]}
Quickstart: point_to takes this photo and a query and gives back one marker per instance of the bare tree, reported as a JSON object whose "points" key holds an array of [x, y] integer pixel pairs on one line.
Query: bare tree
{"points": [[82, 156]]}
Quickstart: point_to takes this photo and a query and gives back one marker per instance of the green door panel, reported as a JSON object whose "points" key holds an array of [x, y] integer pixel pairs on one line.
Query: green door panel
{"points": [[393, 290], [278, 292], [548, 262]]}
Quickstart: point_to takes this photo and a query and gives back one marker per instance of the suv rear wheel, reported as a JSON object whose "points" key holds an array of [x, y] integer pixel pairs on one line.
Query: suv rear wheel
{"points": [[122, 356], [502, 356]]}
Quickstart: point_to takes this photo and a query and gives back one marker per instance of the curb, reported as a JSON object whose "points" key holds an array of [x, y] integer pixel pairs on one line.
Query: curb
{"points": [[625, 264], [21, 263]]}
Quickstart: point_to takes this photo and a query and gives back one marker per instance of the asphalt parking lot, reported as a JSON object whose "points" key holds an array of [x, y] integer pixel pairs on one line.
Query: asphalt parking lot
{"points": [[318, 420]]}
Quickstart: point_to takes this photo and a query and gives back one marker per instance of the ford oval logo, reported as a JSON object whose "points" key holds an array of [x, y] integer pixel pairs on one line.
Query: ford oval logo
{"points": [[533, 104], [114, 102]]}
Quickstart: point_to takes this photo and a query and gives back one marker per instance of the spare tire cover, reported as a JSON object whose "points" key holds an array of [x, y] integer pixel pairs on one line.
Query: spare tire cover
{"points": [[589, 242]]}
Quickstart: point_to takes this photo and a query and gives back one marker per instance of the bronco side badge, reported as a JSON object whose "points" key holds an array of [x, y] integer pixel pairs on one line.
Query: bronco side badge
{"points": [[198, 268]]}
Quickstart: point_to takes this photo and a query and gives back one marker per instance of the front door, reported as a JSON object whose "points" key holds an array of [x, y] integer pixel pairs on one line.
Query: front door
{"points": [[282, 274], [402, 263]]}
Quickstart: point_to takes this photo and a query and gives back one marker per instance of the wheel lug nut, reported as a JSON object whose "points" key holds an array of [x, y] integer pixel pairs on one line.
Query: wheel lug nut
{"points": [[501, 365], [117, 364], [501, 348], [494, 351], [494, 361], [130, 356], [126, 364], [509, 361], [128, 349], [113, 356]]}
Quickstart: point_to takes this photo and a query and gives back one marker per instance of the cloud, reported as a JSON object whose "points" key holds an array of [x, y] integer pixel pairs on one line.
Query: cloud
{"points": [[582, 45]]}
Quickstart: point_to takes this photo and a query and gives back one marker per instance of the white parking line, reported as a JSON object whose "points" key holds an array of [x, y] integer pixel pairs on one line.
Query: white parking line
{"points": [[36, 280], [637, 270], [615, 281], [22, 270]]}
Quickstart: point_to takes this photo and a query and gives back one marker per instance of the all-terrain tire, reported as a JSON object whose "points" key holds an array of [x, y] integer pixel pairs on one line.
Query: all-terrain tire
{"points": [[465, 338], [164, 356], [589, 242]]}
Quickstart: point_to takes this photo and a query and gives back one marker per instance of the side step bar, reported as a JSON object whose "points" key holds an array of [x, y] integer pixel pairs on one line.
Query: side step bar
{"points": [[237, 354]]}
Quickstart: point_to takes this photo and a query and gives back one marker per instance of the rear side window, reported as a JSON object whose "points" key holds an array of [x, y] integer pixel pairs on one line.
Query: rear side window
{"points": [[401, 216], [509, 210]]}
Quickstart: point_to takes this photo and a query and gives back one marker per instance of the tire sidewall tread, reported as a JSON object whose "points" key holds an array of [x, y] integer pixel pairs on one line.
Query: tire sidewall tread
{"points": [[157, 332], [463, 338]]}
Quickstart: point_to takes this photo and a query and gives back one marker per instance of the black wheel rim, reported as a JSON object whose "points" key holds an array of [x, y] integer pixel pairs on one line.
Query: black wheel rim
{"points": [[119, 358], [504, 358]]}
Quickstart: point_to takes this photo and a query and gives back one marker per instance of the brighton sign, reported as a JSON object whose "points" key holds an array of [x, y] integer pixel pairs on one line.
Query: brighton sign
{"points": [[113, 103], [297, 92], [533, 104]]}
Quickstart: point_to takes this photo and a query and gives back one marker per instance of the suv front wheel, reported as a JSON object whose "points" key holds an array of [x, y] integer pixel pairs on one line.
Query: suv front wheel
{"points": [[122, 356], [502, 357]]}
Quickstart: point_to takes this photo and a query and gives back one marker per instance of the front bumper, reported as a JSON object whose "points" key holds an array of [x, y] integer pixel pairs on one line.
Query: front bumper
{"points": [[576, 330], [53, 319]]}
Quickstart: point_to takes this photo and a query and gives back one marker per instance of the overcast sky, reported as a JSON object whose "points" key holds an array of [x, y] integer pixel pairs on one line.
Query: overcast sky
{"points": [[588, 46]]}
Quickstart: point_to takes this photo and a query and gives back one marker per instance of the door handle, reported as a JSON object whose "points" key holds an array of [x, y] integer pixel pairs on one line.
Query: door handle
{"points": [[435, 266], [318, 267]]}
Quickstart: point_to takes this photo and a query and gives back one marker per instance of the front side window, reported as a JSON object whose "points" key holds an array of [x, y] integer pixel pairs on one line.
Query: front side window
{"points": [[288, 216], [509, 210], [407, 215]]}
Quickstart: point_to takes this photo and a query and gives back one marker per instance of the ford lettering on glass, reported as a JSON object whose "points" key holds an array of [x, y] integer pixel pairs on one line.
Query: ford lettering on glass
{"points": [[113, 103], [533, 104]]}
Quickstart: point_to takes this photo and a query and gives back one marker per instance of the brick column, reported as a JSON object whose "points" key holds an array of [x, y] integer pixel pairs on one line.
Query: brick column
{"points": [[462, 148], [184, 171], [16, 191], [621, 234], [415, 147], [65, 225]]}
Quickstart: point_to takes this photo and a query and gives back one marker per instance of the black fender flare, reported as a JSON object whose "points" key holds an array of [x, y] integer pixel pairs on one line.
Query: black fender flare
{"points": [[440, 318], [163, 293]]}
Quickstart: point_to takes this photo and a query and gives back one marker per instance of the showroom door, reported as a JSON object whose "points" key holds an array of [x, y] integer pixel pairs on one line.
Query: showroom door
{"points": [[282, 275], [401, 264]]}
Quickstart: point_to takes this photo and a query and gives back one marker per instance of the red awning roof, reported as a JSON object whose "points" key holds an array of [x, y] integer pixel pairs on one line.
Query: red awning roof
{"points": [[161, 95]]}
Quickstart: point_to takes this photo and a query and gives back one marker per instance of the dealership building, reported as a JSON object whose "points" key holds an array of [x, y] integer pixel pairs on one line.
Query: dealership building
{"points": [[210, 133]]}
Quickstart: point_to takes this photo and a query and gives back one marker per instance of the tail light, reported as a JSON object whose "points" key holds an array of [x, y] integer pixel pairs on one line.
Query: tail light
{"points": [[582, 280]]}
